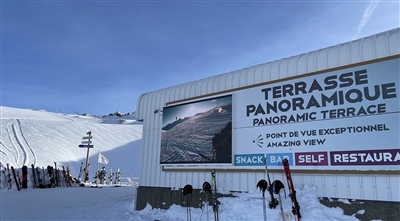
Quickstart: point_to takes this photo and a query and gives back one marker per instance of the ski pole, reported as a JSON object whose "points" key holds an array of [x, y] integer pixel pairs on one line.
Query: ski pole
{"points": [[277, 185], [188, 189], [262, 184]]}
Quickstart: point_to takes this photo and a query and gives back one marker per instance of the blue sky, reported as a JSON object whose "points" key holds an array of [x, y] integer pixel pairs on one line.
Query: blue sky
{"points": [[97, 57]]}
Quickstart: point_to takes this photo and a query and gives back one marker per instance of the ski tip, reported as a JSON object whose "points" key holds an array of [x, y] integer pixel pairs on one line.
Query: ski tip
{"points": [[285, 161]]}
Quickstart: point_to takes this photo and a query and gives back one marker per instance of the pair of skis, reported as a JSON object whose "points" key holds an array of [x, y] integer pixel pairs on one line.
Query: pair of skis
{"points": [[275, 187], [24, 177], [22, 181], [16, 177], [39, 177], [214, 194], [274, 202], [9, 176], [292, 192]]}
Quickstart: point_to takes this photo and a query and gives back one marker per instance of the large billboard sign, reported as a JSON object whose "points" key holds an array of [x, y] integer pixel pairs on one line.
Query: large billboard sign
{"points": [[341, 120], [197, 133]]}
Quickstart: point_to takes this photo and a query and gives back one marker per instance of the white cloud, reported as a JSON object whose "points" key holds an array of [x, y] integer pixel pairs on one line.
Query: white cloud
{"points": [[367, 15]]}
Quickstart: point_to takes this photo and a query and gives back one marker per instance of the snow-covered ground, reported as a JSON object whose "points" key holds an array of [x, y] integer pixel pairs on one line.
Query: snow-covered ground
{"points": [[40, 138], [118, 203]]}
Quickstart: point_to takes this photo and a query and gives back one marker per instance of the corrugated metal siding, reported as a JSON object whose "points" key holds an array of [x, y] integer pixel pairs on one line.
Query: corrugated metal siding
{"points": [[374, 187]]}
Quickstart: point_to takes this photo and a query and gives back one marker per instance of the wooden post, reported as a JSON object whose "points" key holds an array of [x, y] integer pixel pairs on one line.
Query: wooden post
{"points": [[87, 159]]}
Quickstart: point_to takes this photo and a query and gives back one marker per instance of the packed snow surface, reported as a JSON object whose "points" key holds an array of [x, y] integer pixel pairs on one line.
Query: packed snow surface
{"points": [[118, 203]]}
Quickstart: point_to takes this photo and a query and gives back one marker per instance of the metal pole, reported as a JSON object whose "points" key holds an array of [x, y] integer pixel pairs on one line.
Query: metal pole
{"points": [[264, 206], [283, 214]]}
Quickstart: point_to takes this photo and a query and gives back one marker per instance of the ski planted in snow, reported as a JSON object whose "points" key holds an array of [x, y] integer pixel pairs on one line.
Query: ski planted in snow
{"points": [[65, 176], [35, 183], [9, 176], [274, 202], [58, 177], [69, 177], [15, 178], [44, 179], [50, 172], [56, 173], [215, 201], [19, 179], [118, 178], [5, 178], [111, 177], [40, 180], [80, 173], [24, 177], [292, 192]]}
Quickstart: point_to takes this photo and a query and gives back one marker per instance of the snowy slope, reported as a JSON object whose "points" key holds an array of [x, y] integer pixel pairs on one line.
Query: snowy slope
{"points": [[39, 137]]}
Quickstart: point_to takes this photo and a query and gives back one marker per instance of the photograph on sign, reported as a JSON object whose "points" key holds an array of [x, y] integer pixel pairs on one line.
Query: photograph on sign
{"points": [[198, 132], [340, 120]]}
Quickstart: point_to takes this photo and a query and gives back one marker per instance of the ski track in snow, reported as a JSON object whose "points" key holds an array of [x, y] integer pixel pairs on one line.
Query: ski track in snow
{"points": [[5, 148], [30, 152], [20, 144], [181, 152], [9, 129]]}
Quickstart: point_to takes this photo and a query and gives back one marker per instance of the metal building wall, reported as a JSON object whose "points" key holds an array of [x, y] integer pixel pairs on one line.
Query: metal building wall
{"points": [[359, 186]]}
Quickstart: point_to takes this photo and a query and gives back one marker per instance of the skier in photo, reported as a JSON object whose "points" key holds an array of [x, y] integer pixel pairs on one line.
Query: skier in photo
{"points": [[222, 144], [215, 145]]}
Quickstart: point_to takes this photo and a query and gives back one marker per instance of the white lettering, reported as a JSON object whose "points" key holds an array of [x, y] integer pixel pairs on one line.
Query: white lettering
{"points": [[397, 158], [337, 158], [321, 158], [369, 158], [249, 160], [387, 157], [378, 157], [362, 155], [345, 157], [353, 157], [301, 159]]}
